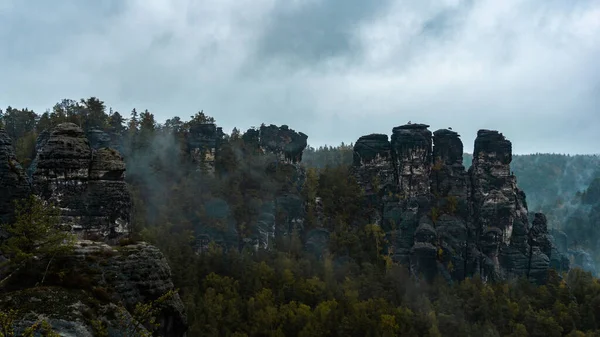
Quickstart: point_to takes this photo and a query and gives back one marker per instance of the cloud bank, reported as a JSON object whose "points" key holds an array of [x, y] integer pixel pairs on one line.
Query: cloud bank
{"points": [[333, 69]]}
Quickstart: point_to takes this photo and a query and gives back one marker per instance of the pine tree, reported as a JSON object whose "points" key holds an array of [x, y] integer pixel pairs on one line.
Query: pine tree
{"points": [[116, 123], [36, 233]]}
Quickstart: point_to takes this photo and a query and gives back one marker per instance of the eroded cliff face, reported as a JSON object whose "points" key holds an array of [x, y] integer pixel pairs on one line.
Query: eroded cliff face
{"points": [[203, 142], [280, 151], [282, 141], [285, 214], [98, 283], [13, 181], [450, 187], [88, 185], [376, 173], [443, 220]]}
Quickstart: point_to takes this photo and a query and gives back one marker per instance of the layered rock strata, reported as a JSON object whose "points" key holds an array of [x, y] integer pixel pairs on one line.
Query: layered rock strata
{"points": [[203, 141], [284, 142], [373, 155], [443, 220], [13, 181], [102, 283], [87, 185], [285, 214]]}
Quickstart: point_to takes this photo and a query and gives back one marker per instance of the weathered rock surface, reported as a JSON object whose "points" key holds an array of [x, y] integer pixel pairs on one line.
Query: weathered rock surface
{"points": [[284, 213], [87, 185], [411, 154], [13, 181], [408, 201], [137, 273], [203, 142], [284, 142], [92, 282], [373, 169], [441, 219], [69, 312]]}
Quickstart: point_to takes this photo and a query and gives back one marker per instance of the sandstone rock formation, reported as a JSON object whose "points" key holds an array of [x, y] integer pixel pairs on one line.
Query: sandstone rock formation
{"points": [[203, 142], [87, 185], [443, 220], [285, 213], [89, 188], [13, 181], [98, 279], [284, 142], [69, 312], [137, 273], [373, 156]]}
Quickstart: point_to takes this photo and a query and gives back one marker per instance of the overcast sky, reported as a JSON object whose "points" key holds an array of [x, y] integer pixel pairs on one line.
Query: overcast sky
{"points": [[334, 69]]}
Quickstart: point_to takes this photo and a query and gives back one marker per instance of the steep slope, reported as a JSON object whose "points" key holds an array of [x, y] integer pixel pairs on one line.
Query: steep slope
{"points": [[88, 185], [97, 285], [441, 219], [13, 181]]}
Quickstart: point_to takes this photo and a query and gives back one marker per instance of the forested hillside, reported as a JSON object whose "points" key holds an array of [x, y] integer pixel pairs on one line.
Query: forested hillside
{"points": [[265, 239]]}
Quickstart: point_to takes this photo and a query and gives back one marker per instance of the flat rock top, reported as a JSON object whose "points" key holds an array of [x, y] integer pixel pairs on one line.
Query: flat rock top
{"points": [[373, 142], [67, 148], [446, 133], [416, 126], [374, 137], [493, 141], [68, 130]]}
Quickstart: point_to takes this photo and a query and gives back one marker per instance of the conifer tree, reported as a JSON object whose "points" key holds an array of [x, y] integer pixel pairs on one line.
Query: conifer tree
{"points": [[35, 234]]}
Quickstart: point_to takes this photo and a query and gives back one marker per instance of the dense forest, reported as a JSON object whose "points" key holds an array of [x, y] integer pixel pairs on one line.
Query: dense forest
{"points": [[300, 285]]}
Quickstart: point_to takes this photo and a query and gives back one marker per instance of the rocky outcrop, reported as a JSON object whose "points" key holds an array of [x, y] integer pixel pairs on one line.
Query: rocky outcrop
{"points": [[411, 155], [284, 142], [450, 187], [97, 283], [408, 201], [13, 181], [499, 211], [136, 273], [443, 220], [284, 214], [69, 312], [87, 185], [203, 142], [102, 283], [374, 171]]}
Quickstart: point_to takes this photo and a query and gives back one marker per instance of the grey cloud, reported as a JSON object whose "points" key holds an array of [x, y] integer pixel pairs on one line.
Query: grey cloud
{"points": [[315, 30], [332, 69]]}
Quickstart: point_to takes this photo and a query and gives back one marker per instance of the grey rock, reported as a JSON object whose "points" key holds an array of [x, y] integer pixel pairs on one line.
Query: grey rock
{"points": [[87, 185], [440, 218], [13, 181], [68, 311], [136, 273], [284, 142]]}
